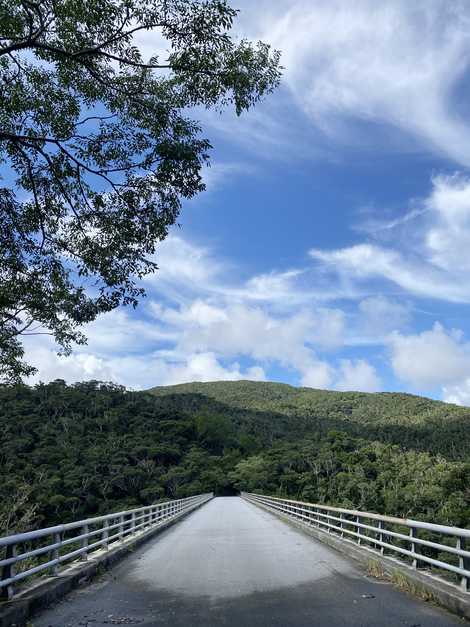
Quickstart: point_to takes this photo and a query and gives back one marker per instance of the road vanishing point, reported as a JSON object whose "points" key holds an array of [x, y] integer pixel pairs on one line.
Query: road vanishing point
{"points": [[232, 564]]}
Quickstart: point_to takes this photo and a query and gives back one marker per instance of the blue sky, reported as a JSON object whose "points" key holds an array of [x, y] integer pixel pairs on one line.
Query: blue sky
{"points": [[332, 246]]}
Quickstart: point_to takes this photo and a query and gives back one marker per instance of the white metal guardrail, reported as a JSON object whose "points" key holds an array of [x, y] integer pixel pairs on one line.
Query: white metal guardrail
{"points": [[420, 543], [45, 550]]}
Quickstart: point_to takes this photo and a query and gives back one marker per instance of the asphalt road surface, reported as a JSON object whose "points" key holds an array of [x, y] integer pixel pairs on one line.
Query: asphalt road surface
{"points": [[230, 563]]}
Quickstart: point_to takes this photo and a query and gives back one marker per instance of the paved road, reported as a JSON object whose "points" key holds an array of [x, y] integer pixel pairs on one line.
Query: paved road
{"points": [[232, 564]]}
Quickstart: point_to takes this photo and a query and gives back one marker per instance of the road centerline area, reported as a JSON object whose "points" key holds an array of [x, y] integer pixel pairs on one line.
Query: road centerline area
{"points": [[231, 563]]}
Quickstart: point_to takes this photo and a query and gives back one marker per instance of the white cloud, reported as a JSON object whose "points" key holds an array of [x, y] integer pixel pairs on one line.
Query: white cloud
{"points": [[328, 328], [207, 333], [193, 325], [119, 332], [365, 261], [206, 367], [219, 173], [458, 394], [358, 375], [380, 315], [346, 63], [80, 366], [239, 329], [183, 263], [139, 371], [203, 335], [273, 286], [317, 375], [232, 329], [448, 238], [188, 270], [434, 358], [395, 62], [433, 260]]}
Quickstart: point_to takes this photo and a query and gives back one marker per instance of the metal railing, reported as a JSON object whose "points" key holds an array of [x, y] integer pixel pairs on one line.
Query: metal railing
{"points": [[418, 543], [46, 550]]}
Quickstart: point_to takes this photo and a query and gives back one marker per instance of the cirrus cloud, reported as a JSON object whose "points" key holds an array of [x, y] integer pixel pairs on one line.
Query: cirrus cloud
{"points": [[434, 262]]}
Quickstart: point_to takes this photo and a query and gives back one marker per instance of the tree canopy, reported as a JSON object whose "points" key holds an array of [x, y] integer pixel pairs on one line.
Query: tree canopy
{"points": [[68, 452], [100, 147]]}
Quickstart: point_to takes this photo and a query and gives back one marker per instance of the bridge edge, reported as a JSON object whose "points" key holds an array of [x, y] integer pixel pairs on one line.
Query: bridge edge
{"points": [[444, 595], [17, 612]]}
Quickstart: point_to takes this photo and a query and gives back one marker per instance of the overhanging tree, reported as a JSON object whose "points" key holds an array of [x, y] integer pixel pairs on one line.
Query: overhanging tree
{"points": [[98, 149]]}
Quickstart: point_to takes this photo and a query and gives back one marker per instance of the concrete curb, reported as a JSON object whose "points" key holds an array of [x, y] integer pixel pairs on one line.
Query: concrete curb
{"points": [[431, 587], [16, 613]]}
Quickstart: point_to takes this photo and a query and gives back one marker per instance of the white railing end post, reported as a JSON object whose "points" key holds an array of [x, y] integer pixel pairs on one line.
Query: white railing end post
{"points": [[464, 564], [133, 522], [413, 548], [55, 554], [105, 534], [84, 543], [381, 537]]}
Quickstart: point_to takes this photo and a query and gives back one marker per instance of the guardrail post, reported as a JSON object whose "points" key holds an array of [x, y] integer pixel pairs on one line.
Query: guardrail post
{"points": [[9, 571], [413, 548], [341, 524], [133, 522], [358, 529], [55, 554], [464, 562], [121, 527], [84, 544], [105, 534], [381, 537]]}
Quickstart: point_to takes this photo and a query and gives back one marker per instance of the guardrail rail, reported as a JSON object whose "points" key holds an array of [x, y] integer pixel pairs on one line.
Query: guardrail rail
{"points": [[420, 543], [46, 550]]}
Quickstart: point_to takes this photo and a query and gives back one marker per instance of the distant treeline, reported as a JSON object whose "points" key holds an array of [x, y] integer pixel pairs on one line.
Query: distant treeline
{"points": [[67, 452]]}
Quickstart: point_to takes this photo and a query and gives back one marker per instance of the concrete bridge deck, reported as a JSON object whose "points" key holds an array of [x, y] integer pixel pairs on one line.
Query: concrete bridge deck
{"points": [[232, 564]]}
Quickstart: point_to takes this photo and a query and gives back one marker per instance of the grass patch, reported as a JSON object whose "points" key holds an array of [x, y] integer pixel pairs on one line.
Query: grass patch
{"points": [[400, 580], [375, 569]]}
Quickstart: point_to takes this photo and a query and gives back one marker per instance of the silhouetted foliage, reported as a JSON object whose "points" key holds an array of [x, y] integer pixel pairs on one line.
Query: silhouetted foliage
{"points": [[101, 147]]}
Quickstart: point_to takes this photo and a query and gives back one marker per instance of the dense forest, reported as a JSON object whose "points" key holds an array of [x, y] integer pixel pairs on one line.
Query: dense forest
{"points": [[68, 452]]}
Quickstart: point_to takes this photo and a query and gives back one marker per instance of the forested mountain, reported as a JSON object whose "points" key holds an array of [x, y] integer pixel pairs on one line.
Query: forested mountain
{"points": [[67, 452], [277, 409]]}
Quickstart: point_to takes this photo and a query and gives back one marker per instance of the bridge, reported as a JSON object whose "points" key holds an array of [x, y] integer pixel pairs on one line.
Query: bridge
{"points": [[233, 561]]}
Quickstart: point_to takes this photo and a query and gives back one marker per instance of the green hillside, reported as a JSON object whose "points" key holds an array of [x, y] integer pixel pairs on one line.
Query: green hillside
{"points": [[404, 419], [286, 399], [67, 452]]}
